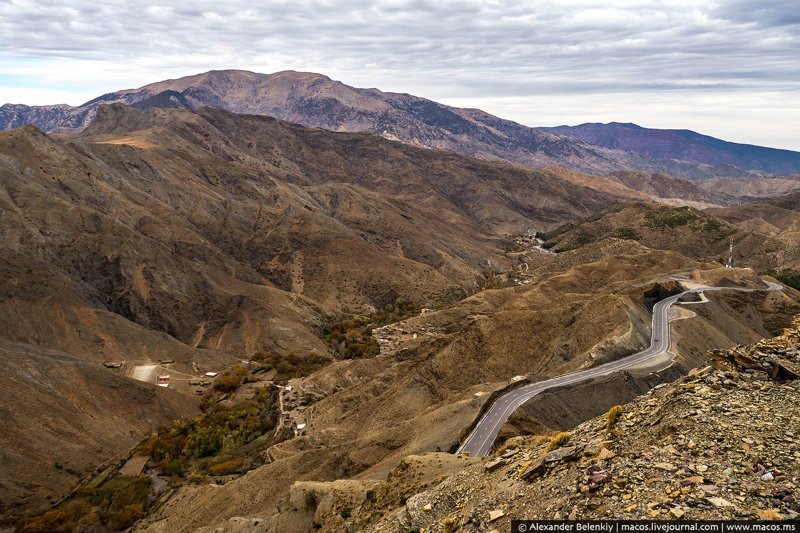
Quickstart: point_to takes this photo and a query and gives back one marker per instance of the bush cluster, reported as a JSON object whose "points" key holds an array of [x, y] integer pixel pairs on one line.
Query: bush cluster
{"points": [[179, 449], [116, 504], [558, 440], [231, 379], [289, 366], [352, 338], [670, 217], [626, 233], [64, 519]]}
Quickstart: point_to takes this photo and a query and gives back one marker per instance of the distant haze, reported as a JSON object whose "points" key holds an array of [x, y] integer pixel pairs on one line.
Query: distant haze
{"points": [[724, 68]]}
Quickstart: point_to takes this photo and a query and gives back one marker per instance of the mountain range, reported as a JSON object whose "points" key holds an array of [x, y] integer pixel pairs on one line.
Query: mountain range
{"points": [[315, 100]]}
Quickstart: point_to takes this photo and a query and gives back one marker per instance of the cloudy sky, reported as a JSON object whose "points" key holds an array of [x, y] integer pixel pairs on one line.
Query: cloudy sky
{"points": [[728, 68]]}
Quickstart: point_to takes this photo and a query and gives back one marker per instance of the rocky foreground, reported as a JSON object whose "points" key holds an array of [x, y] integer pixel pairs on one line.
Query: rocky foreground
{"points": [[723, 442], [720, 443]]}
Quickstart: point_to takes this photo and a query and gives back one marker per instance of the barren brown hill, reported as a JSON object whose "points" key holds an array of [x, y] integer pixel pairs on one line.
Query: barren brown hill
{"points": [[666, 189], [703, 235], [752, 188], [495, 195], [778, 217]]}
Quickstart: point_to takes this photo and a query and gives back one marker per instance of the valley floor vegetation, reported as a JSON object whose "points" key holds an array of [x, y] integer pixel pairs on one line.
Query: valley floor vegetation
{"points": [[223, 440], [226, 438], [352, 338]]}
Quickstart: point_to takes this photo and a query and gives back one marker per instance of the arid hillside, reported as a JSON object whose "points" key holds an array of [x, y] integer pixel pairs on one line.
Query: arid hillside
{"points": [[751, 189], [777, 218], [495, 195], [666, 189], [173, 242], [763, 234]]}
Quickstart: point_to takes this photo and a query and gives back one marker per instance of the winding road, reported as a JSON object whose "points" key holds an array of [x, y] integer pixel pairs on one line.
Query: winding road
{"points": [[480, 440]]}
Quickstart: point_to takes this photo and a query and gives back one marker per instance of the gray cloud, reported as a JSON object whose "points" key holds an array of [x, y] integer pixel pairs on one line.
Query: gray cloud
{"points": [[767, 13], [465, 49]]}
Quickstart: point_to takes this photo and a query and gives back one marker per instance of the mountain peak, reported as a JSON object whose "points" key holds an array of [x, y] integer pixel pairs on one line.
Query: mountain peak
{"points": [[630, 125]]}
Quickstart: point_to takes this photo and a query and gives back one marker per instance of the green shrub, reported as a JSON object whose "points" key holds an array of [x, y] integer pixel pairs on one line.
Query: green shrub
{"points": [[127, 516], [290, 366], [228, 467], [203, 442], [712, 225], [173, 467], [670, 217], [135, 493], [626, 233], [231, 379], [63, 519]]}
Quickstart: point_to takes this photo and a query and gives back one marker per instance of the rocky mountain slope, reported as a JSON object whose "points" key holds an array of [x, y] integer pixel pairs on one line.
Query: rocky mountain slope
{"points": [[682, 145], [187, 240], [776, 218], [764, 235], [752, 189], [317, 101], [666, 189]]}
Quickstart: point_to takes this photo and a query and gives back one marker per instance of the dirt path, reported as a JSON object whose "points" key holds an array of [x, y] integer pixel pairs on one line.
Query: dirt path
{"points": [[146, 373]]}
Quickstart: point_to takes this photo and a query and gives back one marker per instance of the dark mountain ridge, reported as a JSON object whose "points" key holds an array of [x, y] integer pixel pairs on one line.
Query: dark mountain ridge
{"points": [[682, 145]]}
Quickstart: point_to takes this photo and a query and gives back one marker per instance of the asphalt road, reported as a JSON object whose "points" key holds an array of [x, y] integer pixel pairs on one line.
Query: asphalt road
{"points": [[480, 440]]}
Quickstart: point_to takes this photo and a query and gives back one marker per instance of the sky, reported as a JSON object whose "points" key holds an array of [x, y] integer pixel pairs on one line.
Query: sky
{"points": [[727, 68]]}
